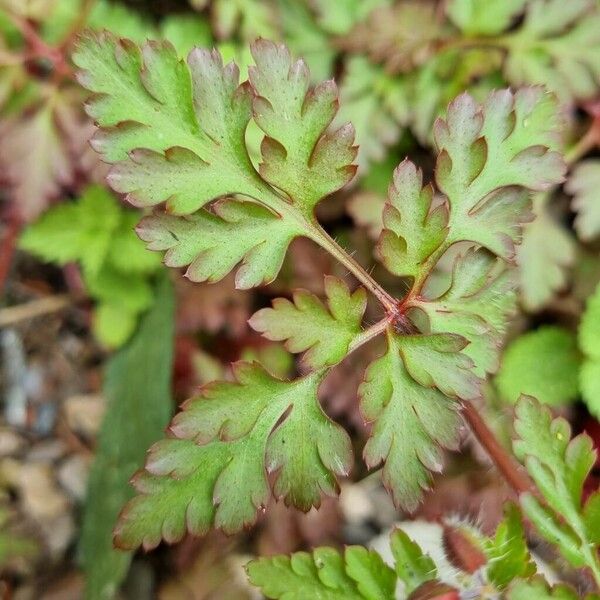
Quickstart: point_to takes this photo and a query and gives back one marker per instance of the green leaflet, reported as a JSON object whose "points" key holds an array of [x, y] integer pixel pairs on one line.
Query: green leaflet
{"points": [[557, 46], [137, 386], [307, 324], [507, 553], [97, 233], [412, 229], [543, 363], [357, 574], [414, 568], [486, 155], [584, 183], [484, 152], [299, 155], [325, 574], [589, 336], [176, 133], [411, 423], [475, 306], [484, 17], [213, 468], [213, 244], [559, 466]]}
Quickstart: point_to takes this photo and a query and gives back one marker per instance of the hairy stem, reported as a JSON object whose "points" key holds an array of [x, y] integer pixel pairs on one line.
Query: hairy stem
{"points": [[510, 469], [370, 333], [321, 237]]}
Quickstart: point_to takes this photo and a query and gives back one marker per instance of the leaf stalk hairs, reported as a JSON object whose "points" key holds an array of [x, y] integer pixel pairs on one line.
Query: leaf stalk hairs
{"points": [[175, 133]]}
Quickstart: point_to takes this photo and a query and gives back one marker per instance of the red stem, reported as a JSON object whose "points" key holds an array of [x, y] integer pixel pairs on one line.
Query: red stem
{"points": [[7, 248], [505, 463]]}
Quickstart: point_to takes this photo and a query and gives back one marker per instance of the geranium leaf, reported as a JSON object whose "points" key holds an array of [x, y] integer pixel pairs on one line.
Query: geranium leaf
{"points": [[307, 324], [537, 588], [411, 424], [300, 156], [324, 575], [413, 230], [254, 236], [413, 566], [589, 336], [559, 466], [213, 470], [484, 152], [175, 130], [543, 363], [176, 133], [476, 305]]}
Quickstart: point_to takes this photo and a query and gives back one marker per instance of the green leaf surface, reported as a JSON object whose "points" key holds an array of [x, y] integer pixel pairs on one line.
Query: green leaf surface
{"points": [[213, 244], [559, 466], [374, 579], [306, 324], [543, 363], [213, 468], [321, 575], [507, 552], [300, 155], [137, 385], [589, 342], [80, 231], [584, 184], [484, 17], [175, 130], [411, 424], [475, 306], [484, 152], [413, 230], [414, 568]]}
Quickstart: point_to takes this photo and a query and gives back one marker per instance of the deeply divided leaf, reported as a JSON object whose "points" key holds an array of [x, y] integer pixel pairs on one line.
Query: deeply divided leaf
{"points": [[212, 471], [411, 424], [307, 324], [486, 154], [559, 466]]}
